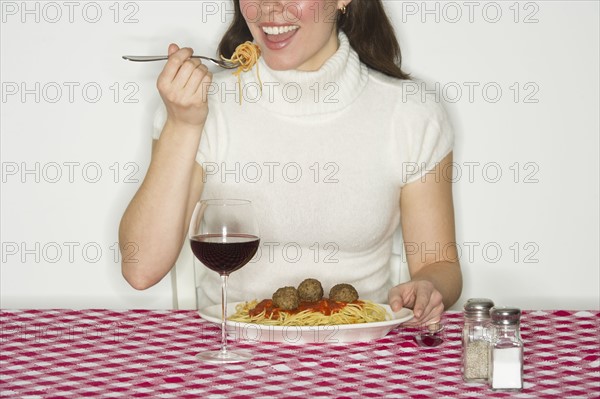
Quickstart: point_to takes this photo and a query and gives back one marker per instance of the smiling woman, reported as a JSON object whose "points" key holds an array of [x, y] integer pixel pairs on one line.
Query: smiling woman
{"points": [[301, 35], [336, 137], [364, 22]]}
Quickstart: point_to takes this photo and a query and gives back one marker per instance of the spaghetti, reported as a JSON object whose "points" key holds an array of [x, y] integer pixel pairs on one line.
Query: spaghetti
{"points": [[246, 55], [321, 313]]}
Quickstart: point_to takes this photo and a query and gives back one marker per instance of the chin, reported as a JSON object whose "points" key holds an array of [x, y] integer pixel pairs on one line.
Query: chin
{"points": [[278, 64]]}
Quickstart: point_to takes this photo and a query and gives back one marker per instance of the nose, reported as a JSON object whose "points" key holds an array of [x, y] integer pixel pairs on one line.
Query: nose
{"points": [[273, 5], [270, 10]]}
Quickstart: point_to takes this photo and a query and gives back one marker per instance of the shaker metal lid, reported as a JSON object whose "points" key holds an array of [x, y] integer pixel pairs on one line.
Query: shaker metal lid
{"points": [[478, 305], [505, 315]]}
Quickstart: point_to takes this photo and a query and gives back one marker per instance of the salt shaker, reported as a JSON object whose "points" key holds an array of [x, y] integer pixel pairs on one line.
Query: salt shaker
{"points": [[506, 350], [475, 340]]}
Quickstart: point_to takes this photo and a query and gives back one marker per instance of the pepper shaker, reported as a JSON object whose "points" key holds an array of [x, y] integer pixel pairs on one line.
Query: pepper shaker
{"points": [[506, 350], [475, 340]]}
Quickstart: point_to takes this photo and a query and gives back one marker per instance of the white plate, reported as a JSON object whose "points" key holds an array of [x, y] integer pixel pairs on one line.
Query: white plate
{"points": [[299, 335]]}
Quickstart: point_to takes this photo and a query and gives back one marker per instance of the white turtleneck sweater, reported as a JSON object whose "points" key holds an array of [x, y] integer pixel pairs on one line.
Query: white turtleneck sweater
{"points": [[323, 156]]}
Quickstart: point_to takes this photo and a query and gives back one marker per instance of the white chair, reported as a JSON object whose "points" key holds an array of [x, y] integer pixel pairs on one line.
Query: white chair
{"points": [[398, 265], [183, 280]]}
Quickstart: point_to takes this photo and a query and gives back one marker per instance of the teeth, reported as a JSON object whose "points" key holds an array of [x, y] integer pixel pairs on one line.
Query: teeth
{"points": [[278, 30]]}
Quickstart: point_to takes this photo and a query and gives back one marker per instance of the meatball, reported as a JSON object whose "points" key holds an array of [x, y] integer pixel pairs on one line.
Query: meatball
{"points": [[343, 293], [310, 290], [286, 298]]}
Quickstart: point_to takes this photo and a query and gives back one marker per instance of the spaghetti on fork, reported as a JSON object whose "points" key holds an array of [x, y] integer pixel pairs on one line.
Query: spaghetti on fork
{"points": [[246, 55]]}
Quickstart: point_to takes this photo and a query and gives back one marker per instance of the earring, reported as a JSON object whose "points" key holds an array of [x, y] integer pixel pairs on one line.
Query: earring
{"points": [[343, 9]]}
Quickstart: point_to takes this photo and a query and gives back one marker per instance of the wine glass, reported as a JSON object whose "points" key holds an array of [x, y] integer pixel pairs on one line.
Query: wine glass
{"points": [[430, 335], [224, 237]]}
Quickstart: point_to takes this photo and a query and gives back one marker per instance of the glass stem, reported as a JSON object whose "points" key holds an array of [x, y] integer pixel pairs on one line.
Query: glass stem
{"points": [[224, 314]]}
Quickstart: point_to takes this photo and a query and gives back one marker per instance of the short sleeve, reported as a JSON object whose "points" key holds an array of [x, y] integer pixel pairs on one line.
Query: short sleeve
{"points": [[427, 138]]}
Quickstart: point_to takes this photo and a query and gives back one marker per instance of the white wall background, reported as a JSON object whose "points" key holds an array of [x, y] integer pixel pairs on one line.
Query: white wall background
{"points": [[520, 80]]}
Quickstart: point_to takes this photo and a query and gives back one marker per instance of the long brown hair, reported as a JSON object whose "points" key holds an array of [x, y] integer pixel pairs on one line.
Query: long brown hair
{"points": [[366, 24]]}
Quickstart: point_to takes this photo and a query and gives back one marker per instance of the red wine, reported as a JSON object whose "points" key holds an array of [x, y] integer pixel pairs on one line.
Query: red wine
{"points": [[428, 340], [224, 254]]}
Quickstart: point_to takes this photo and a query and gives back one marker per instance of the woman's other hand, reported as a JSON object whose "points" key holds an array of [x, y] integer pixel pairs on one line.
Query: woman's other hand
{"points": [[183, 85], [422, 297]]}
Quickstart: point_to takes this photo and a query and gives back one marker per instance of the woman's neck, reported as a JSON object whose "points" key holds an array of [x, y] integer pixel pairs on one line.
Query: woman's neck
{"points": [[330, 88]]}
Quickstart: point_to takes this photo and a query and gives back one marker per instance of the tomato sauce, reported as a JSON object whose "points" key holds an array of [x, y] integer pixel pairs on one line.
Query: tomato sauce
{"points": [[324, 306]]}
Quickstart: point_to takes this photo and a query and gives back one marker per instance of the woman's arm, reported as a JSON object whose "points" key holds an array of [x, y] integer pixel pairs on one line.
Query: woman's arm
{"points": [[155, 222], [427, 213]]}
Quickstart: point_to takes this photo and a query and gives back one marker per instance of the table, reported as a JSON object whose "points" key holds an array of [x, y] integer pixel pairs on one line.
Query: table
{"points": [[150, 354]]}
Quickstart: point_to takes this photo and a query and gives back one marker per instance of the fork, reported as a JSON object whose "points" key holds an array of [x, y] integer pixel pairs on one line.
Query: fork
{"points": [[146, 58]]}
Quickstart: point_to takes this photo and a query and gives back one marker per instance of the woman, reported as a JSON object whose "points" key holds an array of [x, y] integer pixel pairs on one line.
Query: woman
{"points": [[326, 144]]}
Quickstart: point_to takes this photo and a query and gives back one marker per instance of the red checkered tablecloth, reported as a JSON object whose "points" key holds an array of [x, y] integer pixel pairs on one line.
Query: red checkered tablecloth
{"points": [[150, 354]]}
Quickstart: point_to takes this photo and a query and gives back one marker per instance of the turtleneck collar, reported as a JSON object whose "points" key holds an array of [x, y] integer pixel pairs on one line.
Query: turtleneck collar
{"points": [[294, 93]]}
